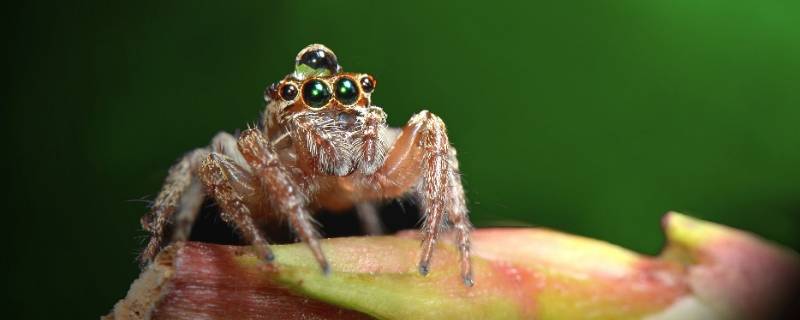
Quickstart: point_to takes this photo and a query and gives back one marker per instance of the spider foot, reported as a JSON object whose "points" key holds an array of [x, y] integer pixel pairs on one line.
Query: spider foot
{"points": [[326, 268], [468, 281], [423, 269]]}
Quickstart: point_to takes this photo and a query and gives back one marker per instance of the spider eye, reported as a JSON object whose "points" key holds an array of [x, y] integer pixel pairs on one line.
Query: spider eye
{"points": [[316, 93], [346, 91], [288, 92], [367, 83], [271, 93], [317, 60]]}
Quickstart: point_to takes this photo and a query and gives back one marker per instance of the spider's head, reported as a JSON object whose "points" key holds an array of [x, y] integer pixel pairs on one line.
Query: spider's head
{"points": [[328, 113], [319, 86]]}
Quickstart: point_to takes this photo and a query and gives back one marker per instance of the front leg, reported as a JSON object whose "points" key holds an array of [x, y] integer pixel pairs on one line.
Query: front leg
{"points": [[182, 195], [370, 146], [422, 156], [282, 191], [178, 188], [316, 149], [229, 185]]}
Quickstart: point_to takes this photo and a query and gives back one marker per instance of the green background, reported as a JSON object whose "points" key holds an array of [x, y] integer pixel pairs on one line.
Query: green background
{"points": [[592, 117]]}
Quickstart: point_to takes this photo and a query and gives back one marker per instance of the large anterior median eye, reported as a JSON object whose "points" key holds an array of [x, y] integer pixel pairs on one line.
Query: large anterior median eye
{"points": [[346, 91], [316, 93]]}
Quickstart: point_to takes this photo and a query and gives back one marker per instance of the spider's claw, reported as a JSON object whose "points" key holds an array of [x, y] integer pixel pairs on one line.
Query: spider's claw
{"points": [[423, 269], [468, 281], [326, 268], [269, 256], [265, 252]]}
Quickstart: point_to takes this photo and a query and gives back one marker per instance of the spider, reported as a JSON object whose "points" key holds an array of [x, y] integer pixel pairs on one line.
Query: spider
{"points": [[321, 143]]}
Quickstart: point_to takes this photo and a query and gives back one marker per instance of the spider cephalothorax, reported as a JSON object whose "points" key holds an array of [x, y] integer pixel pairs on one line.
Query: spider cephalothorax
{"points": [[329, 113], [322, 144]]}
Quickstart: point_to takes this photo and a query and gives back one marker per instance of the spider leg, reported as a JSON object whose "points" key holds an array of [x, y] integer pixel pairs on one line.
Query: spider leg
{"points": [[370, 220], [178, 182], [422, 155], [282, 191], [188, 209], [194, 195], [230, 184], [317, 148], [181, 196], [370, 145], [458, 215]]}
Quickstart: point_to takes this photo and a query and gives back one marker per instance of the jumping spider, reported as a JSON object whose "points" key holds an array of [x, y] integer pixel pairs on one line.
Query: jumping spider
{"points": [[321, 144]]}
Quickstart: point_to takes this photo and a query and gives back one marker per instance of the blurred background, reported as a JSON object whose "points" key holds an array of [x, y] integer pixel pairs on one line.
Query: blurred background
{"points": [[591, 117]]}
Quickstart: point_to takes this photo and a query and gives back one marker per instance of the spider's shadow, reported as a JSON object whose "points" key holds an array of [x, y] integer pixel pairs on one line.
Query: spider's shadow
{"points": [[395, 215]]}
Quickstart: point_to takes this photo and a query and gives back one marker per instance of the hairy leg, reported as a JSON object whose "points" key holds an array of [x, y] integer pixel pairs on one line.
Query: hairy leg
{"points": [[370, 144], [317, 149], [192, 199], [370, 220], [422, 154], [230, 184], [179, 179], [460, 219], [182, 195], [282, 191], [188, 209]]}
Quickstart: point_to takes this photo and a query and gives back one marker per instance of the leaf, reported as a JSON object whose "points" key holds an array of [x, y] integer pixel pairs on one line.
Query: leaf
{"points": [[706, 271]]}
